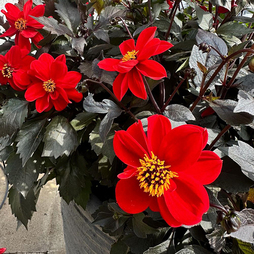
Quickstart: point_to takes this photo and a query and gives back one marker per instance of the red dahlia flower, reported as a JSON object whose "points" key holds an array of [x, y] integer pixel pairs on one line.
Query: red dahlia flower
{"points": [[2, 250], [170, 3], [135, 63], [23, 25], [166, 170], [52, 84], [14, 66]]}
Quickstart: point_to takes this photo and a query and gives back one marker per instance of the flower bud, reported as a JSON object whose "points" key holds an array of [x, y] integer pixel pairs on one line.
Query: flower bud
{"points": [[204, 47], [251, 64]]}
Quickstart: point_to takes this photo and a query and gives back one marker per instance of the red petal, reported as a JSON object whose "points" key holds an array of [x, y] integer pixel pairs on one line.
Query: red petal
{"points": [[58, 70], [188, 202], [13, 57], [137, 132], [158, 127], [130, 197], [166, 215], [34, 92], [182, 146], [154, 206], [28, 32], [126, 46], [2, 250], [127, 149], [13, 11], [60, 104], [136, 84], [42, 104], [70, 80], [32, 23], [23, 42], [152, 69], [128, 172], [108, 64], [124, 67], [149, 49], [38, 10], [120, 86], [164, 45], [74, 95], [10, 32], [206, 169], [42, 66], [21, 79], [145, 36], [27, 8], [61, 58], [36, 39]]}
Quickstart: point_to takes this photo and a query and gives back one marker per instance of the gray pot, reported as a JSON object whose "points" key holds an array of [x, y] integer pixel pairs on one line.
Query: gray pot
{"points": [[80, 234]]}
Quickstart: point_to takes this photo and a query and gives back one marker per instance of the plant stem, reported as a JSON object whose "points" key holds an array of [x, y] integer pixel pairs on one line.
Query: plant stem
{"points": [[114, 97], [219, 208], [151, 96], [226, 128], [171, 17], [208, 83], [149, 10], [173, 94], [126, 27]]}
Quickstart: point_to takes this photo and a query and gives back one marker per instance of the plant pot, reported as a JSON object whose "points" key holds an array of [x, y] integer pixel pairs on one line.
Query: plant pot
{"points": [[80, 234]]}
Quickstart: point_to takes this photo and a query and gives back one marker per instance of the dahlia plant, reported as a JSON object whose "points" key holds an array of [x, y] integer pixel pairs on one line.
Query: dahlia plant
{"points": [[146, 104]]}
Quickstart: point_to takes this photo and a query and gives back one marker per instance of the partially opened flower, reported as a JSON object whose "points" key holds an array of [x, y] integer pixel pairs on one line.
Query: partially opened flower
{"points": [[14, 66], [2, 250], [23, 25], [52, 84], [135, 63], [166, 170]]}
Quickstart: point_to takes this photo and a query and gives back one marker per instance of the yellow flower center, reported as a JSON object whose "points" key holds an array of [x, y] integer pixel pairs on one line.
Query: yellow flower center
{"points": [[130, 55], [153, 176], [20, 24], [49, 86], [7, 71]]}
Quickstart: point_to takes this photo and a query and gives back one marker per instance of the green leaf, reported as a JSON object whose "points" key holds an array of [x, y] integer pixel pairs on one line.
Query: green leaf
{"points": [[29, 138], [21, 207], [246, 231], [100, 34], [72, 179], [205, 19], [60, 138], [78, 44], [98, 146], [225, 110], [82, 120], [14, 114], [140, 228], [245, 103], [178, 113], [217, 239], [193, 249], [246, 248], [243, 155], [52, 25], [159, 249], [209, 61], [231, 177], [212, 40], [22, 178], [106, 106], [111, 218], [119, 247], [233, 29], [69, 13]]}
